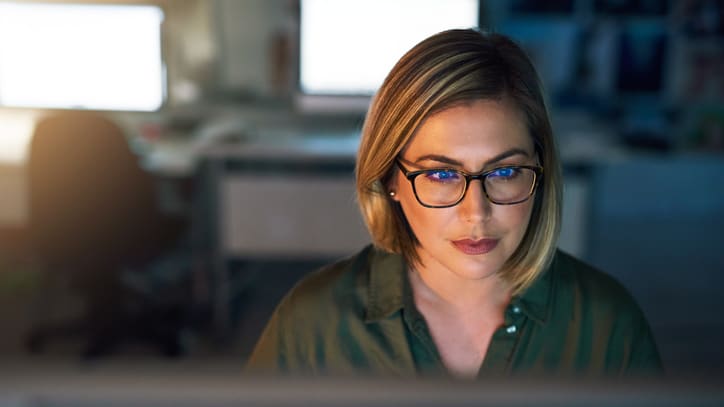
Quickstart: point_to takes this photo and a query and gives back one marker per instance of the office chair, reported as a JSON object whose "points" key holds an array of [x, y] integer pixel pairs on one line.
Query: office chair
{"points": [[92, 214]]}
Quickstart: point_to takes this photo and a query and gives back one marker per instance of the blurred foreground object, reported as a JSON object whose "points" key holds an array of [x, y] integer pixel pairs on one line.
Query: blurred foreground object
{"points": [[225, 388]]}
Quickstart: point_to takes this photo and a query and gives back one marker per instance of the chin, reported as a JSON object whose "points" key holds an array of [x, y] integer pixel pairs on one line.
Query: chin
{"points": [[477, 270], [469, 267], [475, 267]]}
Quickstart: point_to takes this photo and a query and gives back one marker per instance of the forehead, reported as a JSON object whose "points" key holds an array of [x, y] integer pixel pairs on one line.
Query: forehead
{"points": [[471, 132]]}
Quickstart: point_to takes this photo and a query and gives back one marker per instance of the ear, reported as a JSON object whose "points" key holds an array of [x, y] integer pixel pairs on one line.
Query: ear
{"points": [[391, 188]]}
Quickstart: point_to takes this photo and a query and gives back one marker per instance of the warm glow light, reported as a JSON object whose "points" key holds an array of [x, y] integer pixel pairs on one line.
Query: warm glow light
{"points": [[16, 130], [101, 57]]}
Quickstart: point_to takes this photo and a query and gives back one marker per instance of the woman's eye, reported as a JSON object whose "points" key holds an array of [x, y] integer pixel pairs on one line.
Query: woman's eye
{"points": [[442, 175], [504, 173]]}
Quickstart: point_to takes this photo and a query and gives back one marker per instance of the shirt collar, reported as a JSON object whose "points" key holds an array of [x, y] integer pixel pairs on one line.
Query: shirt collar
{"points": [[386, 286], [388, 282], [535, 301]]}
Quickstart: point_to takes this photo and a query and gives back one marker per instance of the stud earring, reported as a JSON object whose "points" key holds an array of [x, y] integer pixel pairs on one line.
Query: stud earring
{"points": [[392, 193]]}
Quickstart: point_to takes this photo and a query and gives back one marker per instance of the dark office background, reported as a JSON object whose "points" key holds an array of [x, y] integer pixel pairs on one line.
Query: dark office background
{"points": [[636, 93]]}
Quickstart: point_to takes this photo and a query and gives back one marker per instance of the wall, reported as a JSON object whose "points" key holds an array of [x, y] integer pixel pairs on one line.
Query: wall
{"points": [[247, 31]]}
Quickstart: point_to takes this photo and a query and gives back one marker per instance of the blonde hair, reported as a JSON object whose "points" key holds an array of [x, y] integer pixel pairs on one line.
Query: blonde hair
{"points": [[447, 69]]}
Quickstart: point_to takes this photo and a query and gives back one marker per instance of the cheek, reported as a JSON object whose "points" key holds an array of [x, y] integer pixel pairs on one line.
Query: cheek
{"points": [[421, 219], [517, 217], [425, 222]]}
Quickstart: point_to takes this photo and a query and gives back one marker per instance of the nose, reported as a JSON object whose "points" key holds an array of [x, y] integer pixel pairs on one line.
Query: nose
{"points": [[475, 206]]}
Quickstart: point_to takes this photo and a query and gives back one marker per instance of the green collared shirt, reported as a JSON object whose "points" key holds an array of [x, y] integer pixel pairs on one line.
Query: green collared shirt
{"points": [[358, 317]]}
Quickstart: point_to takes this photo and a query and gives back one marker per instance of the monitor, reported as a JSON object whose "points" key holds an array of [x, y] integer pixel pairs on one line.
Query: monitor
{"points": [[347, 47], [214, 385], [81, 56]]}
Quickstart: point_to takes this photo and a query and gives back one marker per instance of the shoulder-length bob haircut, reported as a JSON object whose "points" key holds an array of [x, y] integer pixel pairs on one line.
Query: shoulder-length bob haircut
{"points": [[448, 69]]}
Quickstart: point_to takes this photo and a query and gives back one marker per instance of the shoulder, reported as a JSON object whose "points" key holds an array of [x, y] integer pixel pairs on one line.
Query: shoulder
{"points": [[322, 324], [606, 314], [335, 287], [589, 286], [306, 319], [589, 295]]}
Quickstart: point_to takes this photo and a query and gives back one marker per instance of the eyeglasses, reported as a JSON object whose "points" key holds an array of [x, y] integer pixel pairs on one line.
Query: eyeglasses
{"points": [[446, 187]]}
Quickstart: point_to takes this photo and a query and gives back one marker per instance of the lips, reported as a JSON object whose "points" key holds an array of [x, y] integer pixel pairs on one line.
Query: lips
{"points": [[475, 247]]}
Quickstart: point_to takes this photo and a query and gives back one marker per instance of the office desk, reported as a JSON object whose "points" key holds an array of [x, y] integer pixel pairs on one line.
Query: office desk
{"points": [[284, 199]]}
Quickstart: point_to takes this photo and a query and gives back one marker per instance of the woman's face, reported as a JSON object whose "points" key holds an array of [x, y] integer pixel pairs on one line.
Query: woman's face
{"points": [[473, 239]]}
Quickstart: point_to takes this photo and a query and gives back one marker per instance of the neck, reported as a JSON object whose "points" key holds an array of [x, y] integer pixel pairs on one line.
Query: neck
{"points": [[460, 295]]}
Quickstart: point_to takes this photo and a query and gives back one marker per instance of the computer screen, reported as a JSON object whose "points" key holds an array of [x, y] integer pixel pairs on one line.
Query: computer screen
{"points": [[347, 47], [81, 56]]}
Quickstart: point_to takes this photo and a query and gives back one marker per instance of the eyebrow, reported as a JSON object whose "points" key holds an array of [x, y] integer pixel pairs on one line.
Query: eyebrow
{"points": [[447, 160]]}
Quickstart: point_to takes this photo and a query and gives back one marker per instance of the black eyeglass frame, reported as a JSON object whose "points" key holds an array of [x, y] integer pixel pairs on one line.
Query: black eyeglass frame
{"points": [[410, 175]]}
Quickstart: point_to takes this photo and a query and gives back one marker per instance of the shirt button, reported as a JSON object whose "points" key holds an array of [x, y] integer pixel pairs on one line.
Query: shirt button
{"points": [[511, 329]]}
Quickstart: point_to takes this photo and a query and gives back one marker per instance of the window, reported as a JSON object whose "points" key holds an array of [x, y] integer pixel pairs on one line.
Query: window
{"points": [[81, 56]]}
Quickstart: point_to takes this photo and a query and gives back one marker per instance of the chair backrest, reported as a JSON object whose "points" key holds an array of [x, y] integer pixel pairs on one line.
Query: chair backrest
{"points": [[89, 201]]}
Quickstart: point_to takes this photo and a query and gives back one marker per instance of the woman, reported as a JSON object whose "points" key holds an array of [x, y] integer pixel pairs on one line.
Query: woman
{"points": [[459, 183]]}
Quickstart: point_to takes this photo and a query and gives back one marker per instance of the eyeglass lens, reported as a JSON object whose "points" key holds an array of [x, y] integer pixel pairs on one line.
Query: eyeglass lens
{"points": [[445, 187]]}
